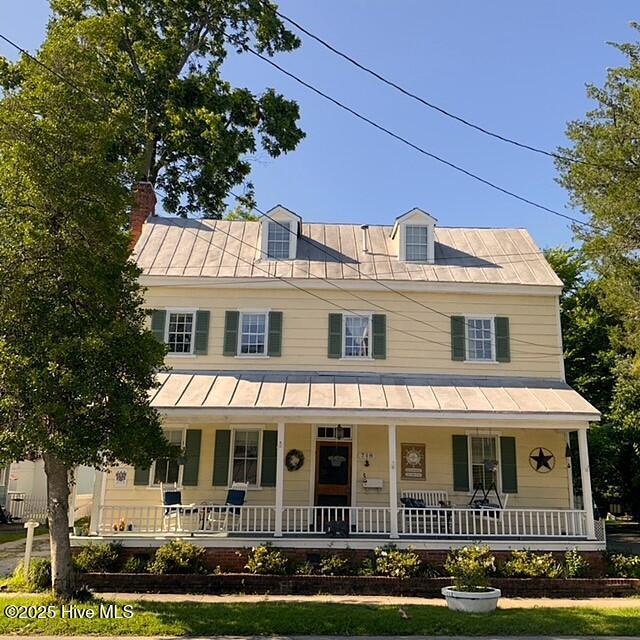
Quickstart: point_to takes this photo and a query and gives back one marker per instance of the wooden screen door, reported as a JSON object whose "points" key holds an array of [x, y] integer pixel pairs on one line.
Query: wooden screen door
{"points": [[333, 474]]}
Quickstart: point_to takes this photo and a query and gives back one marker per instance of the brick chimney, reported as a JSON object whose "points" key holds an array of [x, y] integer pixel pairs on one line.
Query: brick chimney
{"points": [[144, 205]]}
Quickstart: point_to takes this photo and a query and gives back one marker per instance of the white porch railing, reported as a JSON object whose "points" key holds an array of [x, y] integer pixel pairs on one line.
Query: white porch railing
{"points": [[429, 523], [493, 523]]}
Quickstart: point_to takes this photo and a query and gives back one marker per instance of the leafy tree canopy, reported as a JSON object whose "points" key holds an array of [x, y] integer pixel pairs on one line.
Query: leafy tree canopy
{"points": [[605, 183], [159, 68]]}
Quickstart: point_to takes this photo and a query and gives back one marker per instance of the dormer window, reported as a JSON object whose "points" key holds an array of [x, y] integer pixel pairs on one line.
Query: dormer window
{"points": [[278, 240], [279, 233], [416, 238]]}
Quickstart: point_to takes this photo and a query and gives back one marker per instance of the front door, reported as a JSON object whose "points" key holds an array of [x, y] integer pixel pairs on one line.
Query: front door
{"points": [[333, 474]]}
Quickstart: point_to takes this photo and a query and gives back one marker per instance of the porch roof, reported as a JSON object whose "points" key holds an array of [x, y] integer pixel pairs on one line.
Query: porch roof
{"points": [[381, 394]]}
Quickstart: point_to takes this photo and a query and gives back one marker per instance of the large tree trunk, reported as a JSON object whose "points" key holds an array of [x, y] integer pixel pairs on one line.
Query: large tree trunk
{"points": [[58, 511]]}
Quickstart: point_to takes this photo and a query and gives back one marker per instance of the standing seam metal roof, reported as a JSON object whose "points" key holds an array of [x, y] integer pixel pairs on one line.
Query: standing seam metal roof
{"points": [[230, 249]]}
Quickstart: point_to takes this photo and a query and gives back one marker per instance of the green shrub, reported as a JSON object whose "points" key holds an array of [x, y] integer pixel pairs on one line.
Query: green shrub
{"points": [[99, 558], [367, 567], [266, 560], [471, 567], [38, 578], [526, 564], [335, 565], [575, 565], [396, 563], [304, 569], [135, 564], [623, 566], [178, 556]]}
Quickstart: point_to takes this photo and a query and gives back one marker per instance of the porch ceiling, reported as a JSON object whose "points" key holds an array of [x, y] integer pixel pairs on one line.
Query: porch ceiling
{"points": [[386, 395]]}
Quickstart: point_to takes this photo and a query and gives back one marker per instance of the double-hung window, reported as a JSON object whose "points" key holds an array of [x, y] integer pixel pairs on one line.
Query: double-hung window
{"points": [[278, 240], [484, 462], [246, 447], [480, 339], [179, 332], [357, 333], [416, 239], [169, 470], [253, 334]]}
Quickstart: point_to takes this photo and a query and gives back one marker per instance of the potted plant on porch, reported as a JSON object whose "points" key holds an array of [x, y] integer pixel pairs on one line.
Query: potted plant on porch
{"points": [[470, 568]]}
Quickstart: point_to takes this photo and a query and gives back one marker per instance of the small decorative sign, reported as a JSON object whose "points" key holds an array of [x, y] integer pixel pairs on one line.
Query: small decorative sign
{"points": [[542, 460], [413, 461], [120, 478]]}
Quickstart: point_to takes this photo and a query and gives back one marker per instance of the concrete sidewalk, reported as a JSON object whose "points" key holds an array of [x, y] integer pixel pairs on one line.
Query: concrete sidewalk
{"points": [[12, 552], [505, 603]]}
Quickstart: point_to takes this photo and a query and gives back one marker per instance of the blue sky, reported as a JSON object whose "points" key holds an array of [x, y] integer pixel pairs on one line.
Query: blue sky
{"points": [[517, 68]]}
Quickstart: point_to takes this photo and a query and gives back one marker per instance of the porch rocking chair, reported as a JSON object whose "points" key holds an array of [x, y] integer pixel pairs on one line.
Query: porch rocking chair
{"points": [[174, 510], [219, 516]]}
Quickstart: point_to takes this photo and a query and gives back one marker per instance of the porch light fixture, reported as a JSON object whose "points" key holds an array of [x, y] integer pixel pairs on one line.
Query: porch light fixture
{"points": [[567, 450], [339, 432]]}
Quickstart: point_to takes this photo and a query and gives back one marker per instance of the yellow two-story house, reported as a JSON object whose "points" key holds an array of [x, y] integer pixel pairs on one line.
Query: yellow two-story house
{"points": [[338, 384]]}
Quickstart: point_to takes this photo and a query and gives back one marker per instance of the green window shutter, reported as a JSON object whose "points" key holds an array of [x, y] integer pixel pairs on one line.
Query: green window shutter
{"points": [[231, 320], [508, 464], [141, 476], [379, 331], [503, 350], [191, 458], [460, 463], [269, 456], [275, 333], [335, 335], [158, 323], [221, 458], [458, 347], [202, 333]]}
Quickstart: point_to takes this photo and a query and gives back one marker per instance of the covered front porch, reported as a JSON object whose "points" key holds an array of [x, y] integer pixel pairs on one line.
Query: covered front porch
{"points": [[361, 458]]}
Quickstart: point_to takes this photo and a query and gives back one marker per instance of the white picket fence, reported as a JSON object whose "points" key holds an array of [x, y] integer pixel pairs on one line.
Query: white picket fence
{"points": [[23, 506]]}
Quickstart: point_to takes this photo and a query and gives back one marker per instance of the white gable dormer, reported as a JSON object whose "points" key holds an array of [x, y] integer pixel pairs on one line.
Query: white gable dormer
{"points": [[414, 236], [279, 231]]}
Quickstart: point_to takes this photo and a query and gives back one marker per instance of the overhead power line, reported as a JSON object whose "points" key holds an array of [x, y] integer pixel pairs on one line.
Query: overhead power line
{"points": [[416, 147], [77, 88], [380, 283], [427, 103]]}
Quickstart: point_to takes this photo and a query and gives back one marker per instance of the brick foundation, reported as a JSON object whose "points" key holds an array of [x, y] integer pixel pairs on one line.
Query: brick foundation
{"points": [[350, 585]]}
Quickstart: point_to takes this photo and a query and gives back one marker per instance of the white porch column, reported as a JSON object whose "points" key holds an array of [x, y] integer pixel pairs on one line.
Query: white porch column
{"points": [[279, 480], [96, 505], [393, 481], [585, 474]]}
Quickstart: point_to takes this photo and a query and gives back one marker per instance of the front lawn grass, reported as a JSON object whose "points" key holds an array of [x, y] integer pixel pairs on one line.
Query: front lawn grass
{"points": [[204, 619], [19, 534]]}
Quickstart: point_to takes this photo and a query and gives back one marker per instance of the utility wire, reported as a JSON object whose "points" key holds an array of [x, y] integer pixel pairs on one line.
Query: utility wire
{"points": [[435, 107], [76, 88], [416, 147], [58, 75], [374, 279]]}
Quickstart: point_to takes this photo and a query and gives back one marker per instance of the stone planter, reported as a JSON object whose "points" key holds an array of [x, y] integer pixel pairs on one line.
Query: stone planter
{"points": [[471, 601]]}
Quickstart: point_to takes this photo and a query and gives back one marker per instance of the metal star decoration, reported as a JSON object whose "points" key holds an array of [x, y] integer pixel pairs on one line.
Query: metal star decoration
{"points": [[542, 460]]}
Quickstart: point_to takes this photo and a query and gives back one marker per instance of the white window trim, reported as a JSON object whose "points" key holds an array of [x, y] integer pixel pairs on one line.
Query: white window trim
{"points": [[480, 316], [402, 249], [293, 238], [168, 313], [152, 468], [252, 356], [357, 314], [250, 427], [332, 426], [484, 434]]}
